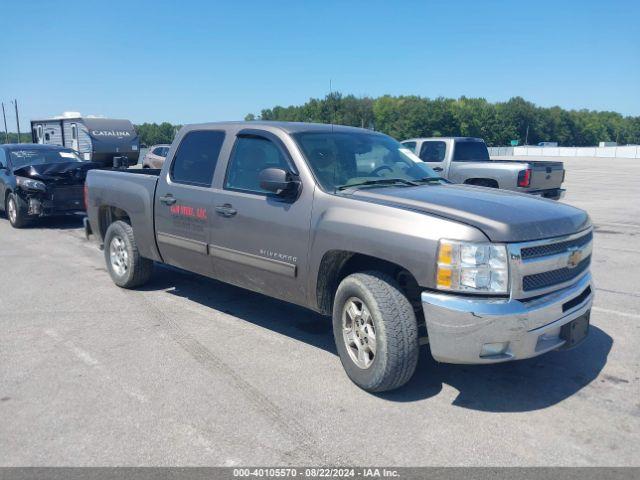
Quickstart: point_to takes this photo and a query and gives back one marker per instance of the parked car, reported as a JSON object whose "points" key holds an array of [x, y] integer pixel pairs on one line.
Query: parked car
{"points": [[466, 160], [349, 223], [40, 180], [154, 158]]}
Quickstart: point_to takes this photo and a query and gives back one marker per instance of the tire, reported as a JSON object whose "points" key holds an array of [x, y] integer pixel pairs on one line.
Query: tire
{"points": [[16, 211], [126, 267], [393, 322]]}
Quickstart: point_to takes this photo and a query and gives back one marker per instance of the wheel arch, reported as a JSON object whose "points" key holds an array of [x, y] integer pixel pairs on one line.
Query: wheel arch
{"points": [[108, 214], [338, 264], [483, 182]]}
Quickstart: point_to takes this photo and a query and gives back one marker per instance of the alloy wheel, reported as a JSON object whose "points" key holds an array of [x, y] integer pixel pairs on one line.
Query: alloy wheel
{"points": [[359, 332], [119, 256], [12, 211]]}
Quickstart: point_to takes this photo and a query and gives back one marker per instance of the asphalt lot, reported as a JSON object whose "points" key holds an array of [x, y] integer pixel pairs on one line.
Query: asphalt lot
{"points": [[189, 371]]}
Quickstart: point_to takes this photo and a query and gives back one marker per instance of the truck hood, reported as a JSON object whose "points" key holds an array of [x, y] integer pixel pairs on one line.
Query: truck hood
{"points": [[61, 172], [502, 216]]}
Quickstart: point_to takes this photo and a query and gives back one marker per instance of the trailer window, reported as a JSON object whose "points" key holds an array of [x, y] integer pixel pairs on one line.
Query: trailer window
{"points": [[196, 158]]}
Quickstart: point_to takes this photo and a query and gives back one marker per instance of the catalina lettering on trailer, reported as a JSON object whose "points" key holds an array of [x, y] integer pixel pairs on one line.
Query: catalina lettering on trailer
{"points": [[111, 133]]}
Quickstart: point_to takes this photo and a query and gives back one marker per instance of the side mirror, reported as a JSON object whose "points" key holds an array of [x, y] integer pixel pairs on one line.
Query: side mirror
{"points": [[280, 182]]}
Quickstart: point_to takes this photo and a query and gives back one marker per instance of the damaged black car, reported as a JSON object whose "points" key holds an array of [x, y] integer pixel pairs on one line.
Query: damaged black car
{"points": [[41, 180]]}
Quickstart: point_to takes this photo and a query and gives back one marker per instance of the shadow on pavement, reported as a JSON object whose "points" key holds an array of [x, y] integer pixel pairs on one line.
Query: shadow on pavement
{"points": [[67, 222], [507, 387]]}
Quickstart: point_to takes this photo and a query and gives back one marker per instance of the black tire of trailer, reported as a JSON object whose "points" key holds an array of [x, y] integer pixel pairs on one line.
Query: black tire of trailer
{"points": [[396, 330], [139, 269], [21, 219]]}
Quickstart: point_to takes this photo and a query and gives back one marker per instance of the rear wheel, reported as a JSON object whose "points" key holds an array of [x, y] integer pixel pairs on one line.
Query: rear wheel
{"points": [[16, 210], [126, 267], [375, 331]]}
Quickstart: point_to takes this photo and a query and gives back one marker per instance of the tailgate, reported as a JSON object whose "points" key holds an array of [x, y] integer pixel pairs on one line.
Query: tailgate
{"points": [[546, 175]]}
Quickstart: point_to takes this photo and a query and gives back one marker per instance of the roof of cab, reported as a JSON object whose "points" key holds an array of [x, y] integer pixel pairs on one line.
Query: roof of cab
{"points": [[288, 127], [457, 139]]}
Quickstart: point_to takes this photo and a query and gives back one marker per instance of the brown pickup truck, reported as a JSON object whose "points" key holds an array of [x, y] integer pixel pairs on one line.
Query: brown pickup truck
{"points": [[349, 223]]}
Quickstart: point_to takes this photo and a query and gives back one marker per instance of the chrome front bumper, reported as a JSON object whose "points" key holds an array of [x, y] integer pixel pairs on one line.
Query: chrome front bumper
{"points": [[479, 330]]}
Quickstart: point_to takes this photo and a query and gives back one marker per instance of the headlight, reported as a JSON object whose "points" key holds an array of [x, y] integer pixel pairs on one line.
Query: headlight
{"points": [[30, 184], [472, 267]]}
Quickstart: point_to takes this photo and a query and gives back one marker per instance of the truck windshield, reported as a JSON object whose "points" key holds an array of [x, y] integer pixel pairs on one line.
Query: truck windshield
{"points": [[343, 159], [38, 156], [470, 151]]}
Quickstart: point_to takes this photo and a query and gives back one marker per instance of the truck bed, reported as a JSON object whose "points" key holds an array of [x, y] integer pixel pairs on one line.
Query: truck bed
{"points": [[545, 175], [132, 191]]}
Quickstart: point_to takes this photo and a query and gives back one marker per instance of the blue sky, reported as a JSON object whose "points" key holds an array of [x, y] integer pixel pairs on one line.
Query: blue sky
{"points": [[193, 61]]}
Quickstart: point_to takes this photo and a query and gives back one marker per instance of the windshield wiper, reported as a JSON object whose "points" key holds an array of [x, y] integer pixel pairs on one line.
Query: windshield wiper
{"points": [[381, 181], [431, 179]]}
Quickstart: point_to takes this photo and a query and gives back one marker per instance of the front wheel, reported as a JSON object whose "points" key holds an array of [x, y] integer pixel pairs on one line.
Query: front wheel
{"points": [[16, 210], [376, 332], [126, 267]]}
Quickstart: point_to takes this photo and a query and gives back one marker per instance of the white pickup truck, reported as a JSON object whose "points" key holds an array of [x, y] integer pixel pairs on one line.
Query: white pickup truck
{"points": [[466, 160]]}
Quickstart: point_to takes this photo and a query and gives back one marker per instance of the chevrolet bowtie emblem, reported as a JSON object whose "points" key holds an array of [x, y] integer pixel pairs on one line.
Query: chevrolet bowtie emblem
{"points": [[575, 255]]}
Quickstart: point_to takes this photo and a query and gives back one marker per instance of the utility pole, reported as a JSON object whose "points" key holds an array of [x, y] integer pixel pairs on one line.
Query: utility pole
{"points": [[526, 137], [6, 132], [15, 102]]}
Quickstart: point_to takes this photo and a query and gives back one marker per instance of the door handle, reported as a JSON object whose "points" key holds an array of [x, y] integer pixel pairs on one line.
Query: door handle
{"points": [[226, 210], [437, 169], [168, 199]]}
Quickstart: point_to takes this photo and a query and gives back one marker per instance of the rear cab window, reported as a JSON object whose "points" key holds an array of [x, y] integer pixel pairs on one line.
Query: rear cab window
{"points": [[196, 158]]}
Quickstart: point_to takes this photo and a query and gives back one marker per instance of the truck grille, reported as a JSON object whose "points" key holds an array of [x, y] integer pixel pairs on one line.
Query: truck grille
{"points": [[555, 248], [542, 266], [554, 277]]}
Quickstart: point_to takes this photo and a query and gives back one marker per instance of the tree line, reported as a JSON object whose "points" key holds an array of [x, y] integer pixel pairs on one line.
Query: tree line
{"points": [[498, 123], [412, 116]]}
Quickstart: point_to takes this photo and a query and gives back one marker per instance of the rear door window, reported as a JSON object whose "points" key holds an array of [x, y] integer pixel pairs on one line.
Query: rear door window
{"points": [[196, 158], [433, 151], [470, 152]]}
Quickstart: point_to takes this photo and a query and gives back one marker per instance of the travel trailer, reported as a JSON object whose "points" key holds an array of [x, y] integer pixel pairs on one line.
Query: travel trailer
{"points": [[94, 138]]}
